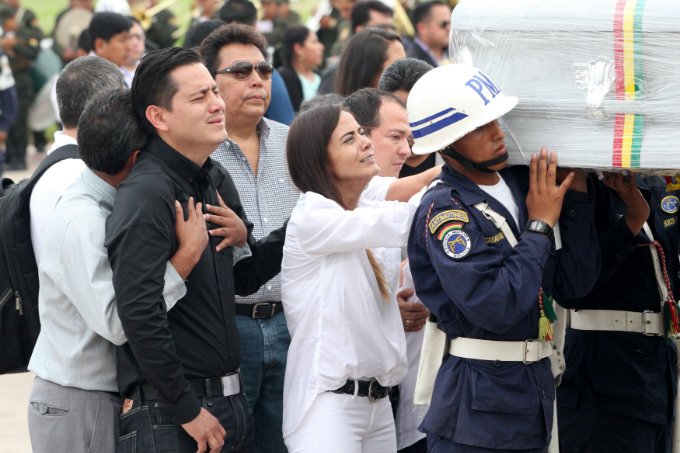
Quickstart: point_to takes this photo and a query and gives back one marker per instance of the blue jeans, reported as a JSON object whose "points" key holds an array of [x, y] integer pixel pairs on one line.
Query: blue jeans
{"points": [[264, 350], [147, 427]]}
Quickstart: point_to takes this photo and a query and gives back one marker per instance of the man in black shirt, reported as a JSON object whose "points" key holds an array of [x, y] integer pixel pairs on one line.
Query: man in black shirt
{"points": [[180, 369]]}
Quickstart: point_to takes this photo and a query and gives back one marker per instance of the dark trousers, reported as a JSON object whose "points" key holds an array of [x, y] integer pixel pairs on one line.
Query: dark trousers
{"points": [[17, 137], [436, 444], [418, 447], [148, 428], [589, 428]]}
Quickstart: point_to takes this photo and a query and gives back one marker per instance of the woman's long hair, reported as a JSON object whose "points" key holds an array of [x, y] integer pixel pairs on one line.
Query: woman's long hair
{"points": [[295, 34], [307, 155], [362, 60]]}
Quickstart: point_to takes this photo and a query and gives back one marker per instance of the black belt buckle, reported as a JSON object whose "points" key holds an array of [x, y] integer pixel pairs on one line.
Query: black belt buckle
{"points": [[263, 310], [376, 391]]}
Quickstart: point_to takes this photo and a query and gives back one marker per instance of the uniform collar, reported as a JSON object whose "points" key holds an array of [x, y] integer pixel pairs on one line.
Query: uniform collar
{"points": [[468, 192], [186, 168]]}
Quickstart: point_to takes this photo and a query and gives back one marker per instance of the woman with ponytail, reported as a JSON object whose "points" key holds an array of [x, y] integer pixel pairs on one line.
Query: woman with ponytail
{"points": [[347, 341]]}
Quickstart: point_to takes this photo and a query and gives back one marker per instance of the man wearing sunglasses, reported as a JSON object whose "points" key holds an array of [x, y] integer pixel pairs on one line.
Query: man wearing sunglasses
{"points": [[254, 155], [432, 22]]}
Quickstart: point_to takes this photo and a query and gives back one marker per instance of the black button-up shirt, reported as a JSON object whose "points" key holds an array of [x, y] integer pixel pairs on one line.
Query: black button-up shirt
{"points": [[197, 338]]}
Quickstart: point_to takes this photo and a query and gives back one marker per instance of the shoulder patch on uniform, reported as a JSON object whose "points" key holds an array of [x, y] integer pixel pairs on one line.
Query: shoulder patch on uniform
{"points": [[495, 239], [670, 204], [456, 244], [447, 216]]}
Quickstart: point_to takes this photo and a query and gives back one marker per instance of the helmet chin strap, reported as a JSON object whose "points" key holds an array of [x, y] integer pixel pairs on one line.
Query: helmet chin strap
{"points": [[479, 166]]}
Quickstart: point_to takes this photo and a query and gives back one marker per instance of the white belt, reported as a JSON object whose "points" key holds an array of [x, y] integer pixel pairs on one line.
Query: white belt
{"points": [[527, 351], [647, 322]]}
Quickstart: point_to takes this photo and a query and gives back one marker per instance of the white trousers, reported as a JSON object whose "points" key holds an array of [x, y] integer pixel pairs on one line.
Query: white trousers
{"points": [[339, 423]]}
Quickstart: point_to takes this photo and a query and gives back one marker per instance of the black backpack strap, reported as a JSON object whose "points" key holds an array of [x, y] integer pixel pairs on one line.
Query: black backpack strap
{"points": [[59, 154]]}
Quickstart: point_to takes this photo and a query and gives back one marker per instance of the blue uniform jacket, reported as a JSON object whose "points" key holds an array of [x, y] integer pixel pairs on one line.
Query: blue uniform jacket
{"points": [[478, 286], [626, 373]]}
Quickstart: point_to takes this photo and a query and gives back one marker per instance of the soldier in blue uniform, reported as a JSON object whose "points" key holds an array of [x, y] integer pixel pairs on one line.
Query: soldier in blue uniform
{"points": [[495, 389], [618, 391]]}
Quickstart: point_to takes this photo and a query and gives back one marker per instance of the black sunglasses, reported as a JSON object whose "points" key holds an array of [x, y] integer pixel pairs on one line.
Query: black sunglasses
{"points": [[242, 69]]}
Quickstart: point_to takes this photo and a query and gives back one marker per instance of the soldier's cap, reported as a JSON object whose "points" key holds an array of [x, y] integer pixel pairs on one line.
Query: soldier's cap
{"points": [[7, 12]]}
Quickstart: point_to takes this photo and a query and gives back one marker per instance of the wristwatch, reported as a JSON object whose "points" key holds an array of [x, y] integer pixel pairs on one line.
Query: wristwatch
{"points": [[538, 226]]}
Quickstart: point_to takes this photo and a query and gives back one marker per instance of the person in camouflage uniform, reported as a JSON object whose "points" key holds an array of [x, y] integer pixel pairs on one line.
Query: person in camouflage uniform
{"points": [[21, 43], [25, 17], [285, 17], [163, 28]]}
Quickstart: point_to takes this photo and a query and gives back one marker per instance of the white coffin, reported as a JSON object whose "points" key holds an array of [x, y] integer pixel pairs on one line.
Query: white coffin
{"points": [[576, 98]]}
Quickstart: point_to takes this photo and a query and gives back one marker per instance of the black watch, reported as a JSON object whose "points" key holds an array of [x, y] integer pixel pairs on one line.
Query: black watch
{"points": [[538, 226]]}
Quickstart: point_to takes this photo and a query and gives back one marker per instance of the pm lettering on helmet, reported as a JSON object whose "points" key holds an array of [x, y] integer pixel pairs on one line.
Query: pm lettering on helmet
{"points": [[481, 84]]}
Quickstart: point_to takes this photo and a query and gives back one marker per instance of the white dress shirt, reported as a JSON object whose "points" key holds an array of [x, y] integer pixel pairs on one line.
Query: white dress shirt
{"points": [[49, 189], [340, 326], [79, 319], [377, 188]]}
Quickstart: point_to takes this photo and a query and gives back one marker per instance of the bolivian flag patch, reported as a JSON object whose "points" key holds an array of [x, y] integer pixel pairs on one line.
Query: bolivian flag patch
{"points": [[447, 228]]}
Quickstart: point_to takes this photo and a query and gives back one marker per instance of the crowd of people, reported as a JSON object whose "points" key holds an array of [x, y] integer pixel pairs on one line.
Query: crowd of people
{"points": [[305, 60], [271, 234]]}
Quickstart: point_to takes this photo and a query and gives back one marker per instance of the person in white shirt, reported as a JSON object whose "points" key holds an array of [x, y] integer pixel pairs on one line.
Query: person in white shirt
{"points": [[74, 404], [110, 39], [78, 82], [347, 342], [136, 50], [383, 116]]}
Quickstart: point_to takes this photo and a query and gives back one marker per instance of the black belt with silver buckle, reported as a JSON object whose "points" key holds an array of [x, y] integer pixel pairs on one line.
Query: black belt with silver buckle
{"points": [[222, 386], [372, 389], [260, 310]]}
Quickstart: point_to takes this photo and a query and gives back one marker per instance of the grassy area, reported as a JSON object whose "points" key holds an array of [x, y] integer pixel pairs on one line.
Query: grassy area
{"points": [[48, 10]]}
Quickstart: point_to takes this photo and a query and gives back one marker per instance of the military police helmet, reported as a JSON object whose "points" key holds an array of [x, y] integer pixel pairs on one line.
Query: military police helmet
{"points": [[451, 101]]}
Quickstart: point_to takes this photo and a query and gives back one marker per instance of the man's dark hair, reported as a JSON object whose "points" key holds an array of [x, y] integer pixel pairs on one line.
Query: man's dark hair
{"points": [[295, 34], [239, 12], [79, 81], [153, 83], [365, 106], [422, 11], [106, 25], [361, 12], [108, 132], [229, 34], [307, 150], [7, 12], [84, 41], [403, 74], [199, 31], [362, 59]]}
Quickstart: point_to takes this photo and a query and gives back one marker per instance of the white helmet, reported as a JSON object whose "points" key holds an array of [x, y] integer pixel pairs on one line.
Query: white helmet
{"points": [[451, 101]]}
